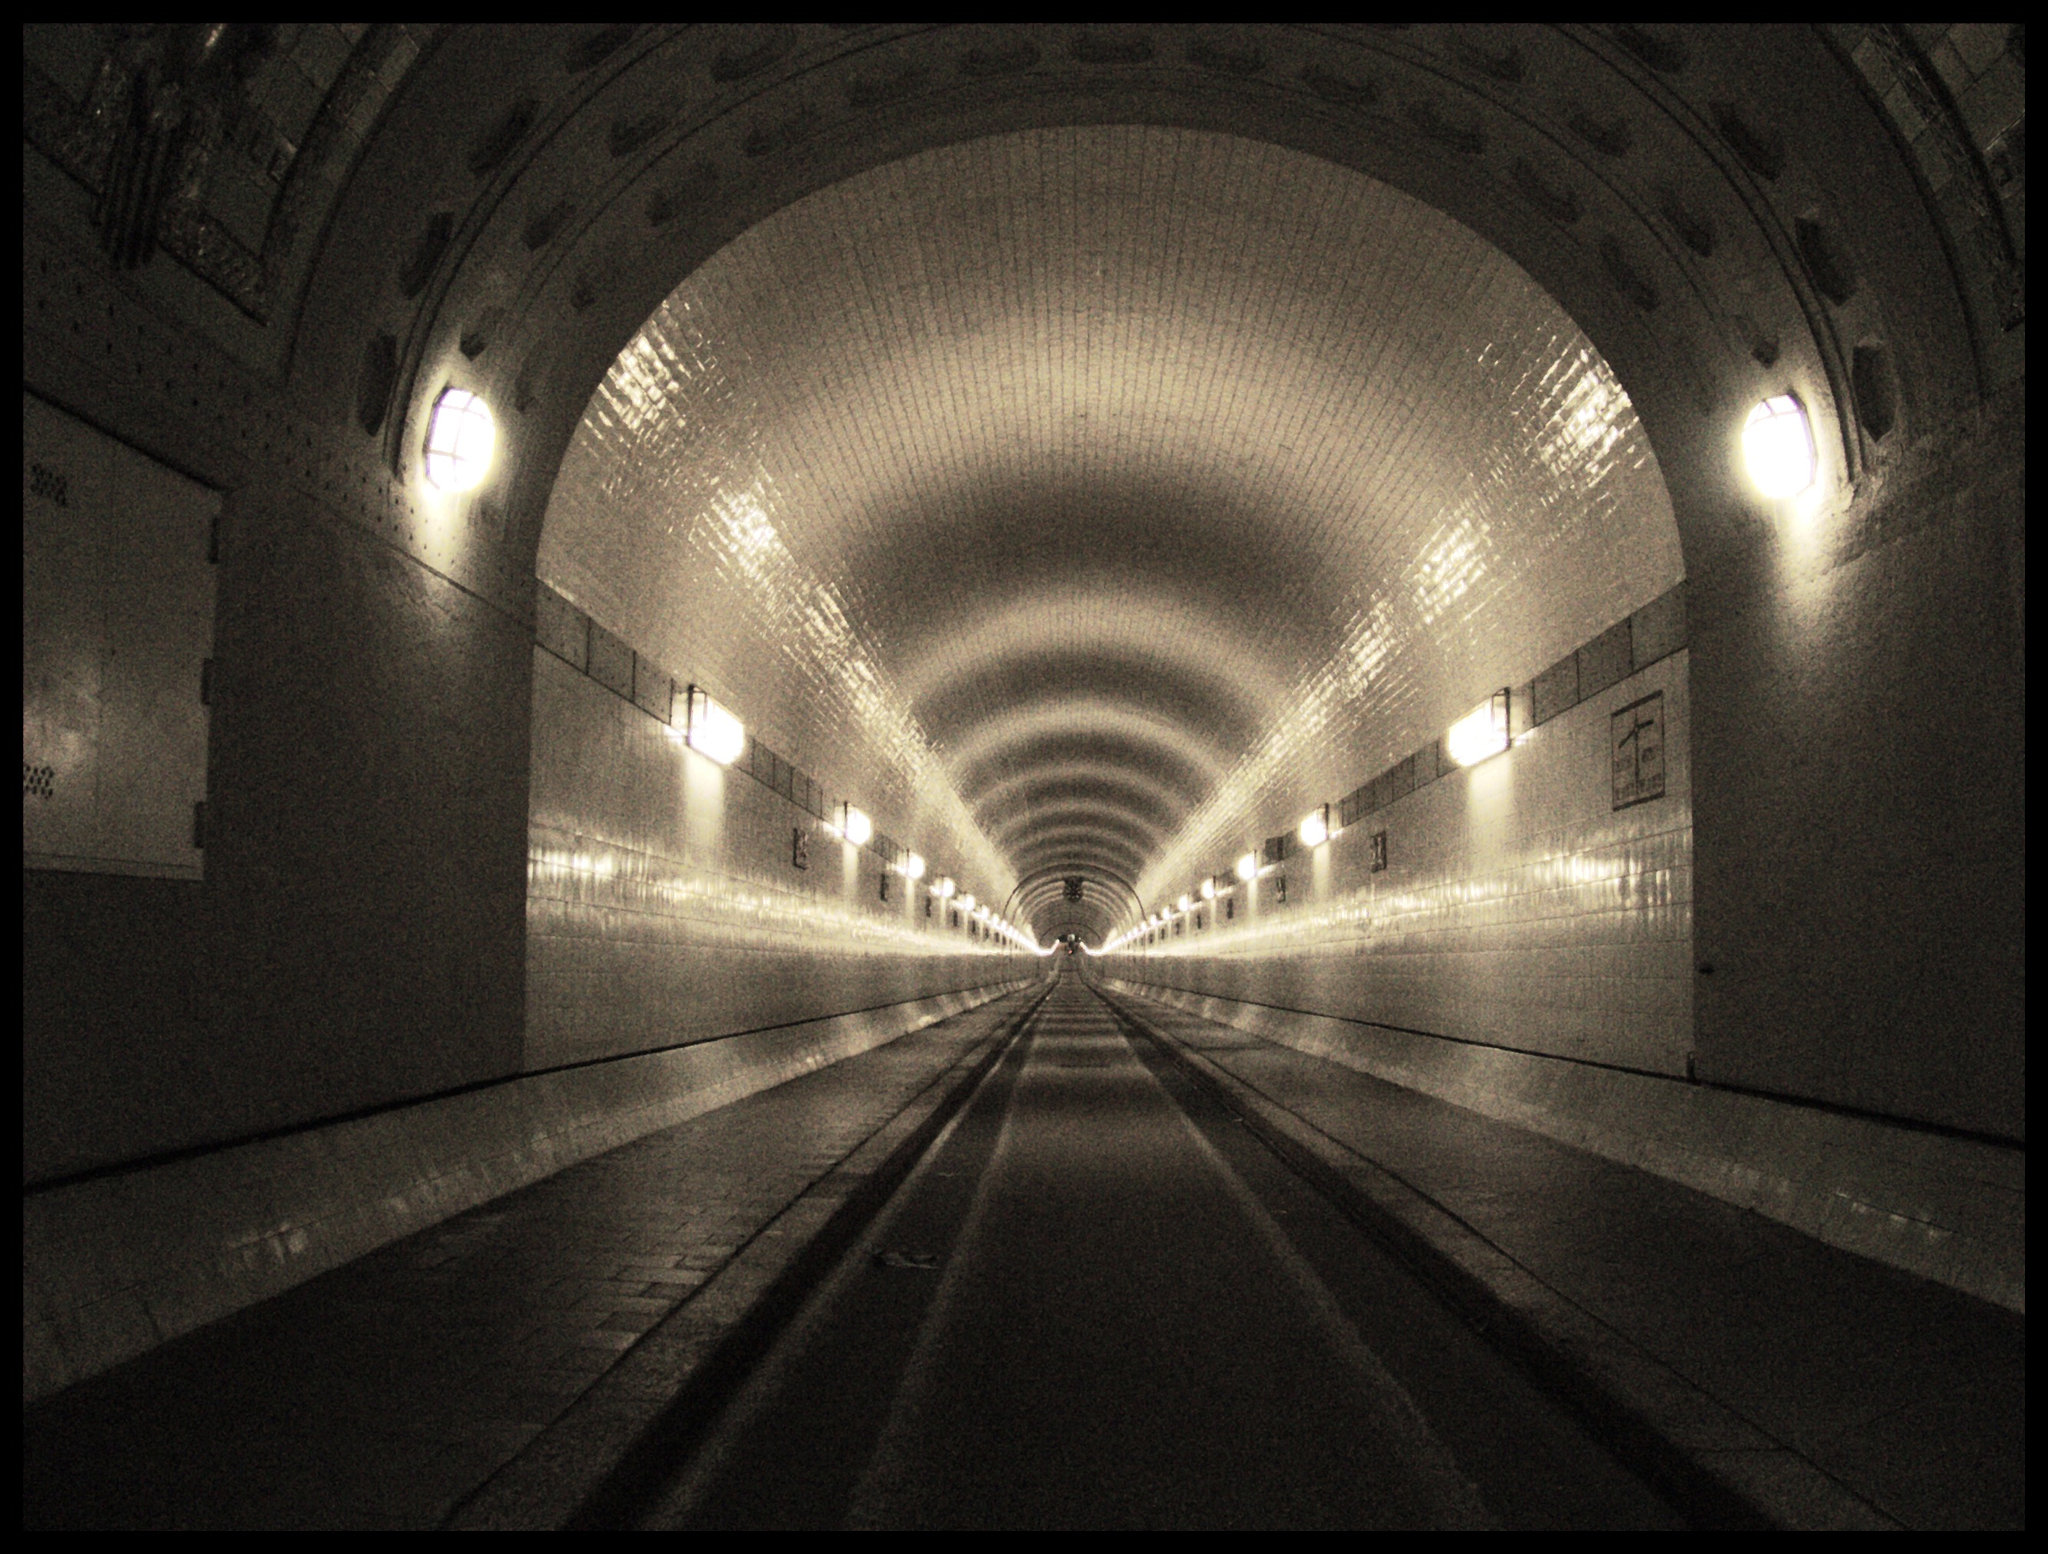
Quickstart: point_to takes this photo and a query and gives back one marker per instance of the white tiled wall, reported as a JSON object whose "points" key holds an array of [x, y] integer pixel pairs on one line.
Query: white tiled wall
{"points": [[662, 906], [1200, 455], [1519, 908]]}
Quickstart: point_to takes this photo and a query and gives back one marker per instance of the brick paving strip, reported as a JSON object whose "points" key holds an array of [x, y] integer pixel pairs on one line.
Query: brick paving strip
{"points": [[492, 1369], [1760, 1377]]}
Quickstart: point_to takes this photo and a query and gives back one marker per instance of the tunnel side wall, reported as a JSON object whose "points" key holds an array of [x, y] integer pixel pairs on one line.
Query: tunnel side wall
{"points": [[1519, 908], [1860, 698], [664, 904], [355, 941], [1527, 953]]}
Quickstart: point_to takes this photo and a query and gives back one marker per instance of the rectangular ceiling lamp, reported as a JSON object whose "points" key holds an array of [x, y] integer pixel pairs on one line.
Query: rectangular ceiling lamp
{"points": [[711, 730], [1315, 826], [1482, 732]]}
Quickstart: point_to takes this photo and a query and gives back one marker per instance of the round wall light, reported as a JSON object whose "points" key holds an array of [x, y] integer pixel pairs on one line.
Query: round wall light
{"points": [[460, 438], [1777, 446]]}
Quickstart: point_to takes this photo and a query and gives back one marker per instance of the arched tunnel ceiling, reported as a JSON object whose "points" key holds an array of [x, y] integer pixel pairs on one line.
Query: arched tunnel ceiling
{"points": [[1107, 493]]}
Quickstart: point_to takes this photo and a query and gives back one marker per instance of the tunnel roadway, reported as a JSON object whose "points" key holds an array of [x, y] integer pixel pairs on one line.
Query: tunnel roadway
{"points": [[1098, 1301]]}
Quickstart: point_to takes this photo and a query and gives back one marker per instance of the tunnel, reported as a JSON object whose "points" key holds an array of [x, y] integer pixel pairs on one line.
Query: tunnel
{"points": [[1023, 775]]}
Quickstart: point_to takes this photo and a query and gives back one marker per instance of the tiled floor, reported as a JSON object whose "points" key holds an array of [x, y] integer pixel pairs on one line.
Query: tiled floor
{"points": [[1908, 1393], [385, 1393], [380, 1394]]}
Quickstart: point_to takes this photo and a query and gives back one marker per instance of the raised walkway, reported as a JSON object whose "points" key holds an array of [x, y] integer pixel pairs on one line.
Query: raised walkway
{"points": [[388, 1392], [1797, 1383], [495, 1369]]}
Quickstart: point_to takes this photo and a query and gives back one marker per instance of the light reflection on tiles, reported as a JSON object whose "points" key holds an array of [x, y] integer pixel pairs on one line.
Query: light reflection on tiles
{"points": [[1576, 939], [1271, 468], [651, 921]]}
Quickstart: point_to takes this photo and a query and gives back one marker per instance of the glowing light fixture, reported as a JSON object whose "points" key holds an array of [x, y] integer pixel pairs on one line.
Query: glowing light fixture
{"points": [[1209, 889], [1185, 904], [1777, 445], [1248, 867], [460, 438], [854, 825], [913, 866], [1315, 826], [967, 903], [943, 887], [711, 730], [1481, 732]]}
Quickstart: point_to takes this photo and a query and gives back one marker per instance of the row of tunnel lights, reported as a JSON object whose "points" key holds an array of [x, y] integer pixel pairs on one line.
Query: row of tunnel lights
{"points": [[461, 437], [714, 732], [1482, 733], [1777, 447]]}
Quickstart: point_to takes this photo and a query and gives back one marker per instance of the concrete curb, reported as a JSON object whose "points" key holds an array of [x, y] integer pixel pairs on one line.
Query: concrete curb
{"points": [[593, 1465], [1720, 1469]]}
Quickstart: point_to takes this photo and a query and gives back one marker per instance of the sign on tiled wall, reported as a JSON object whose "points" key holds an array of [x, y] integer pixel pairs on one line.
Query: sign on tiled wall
{"points": [[1636, 746]]}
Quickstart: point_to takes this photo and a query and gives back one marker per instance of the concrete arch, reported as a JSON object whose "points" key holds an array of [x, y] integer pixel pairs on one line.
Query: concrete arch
{"points": [[1137, 792], [1095, 813]]}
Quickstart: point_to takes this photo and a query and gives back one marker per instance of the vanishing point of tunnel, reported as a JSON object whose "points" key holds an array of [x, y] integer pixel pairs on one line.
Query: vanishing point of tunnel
{"points": [[1018, 776]]}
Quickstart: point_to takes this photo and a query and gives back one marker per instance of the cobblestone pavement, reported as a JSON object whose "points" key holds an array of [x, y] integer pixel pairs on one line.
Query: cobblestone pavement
{"points": [[380, 1394]]}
